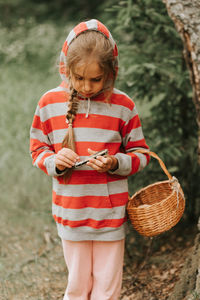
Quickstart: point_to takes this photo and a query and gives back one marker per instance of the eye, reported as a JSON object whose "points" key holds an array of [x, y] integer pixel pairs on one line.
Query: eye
{"points": [[78, 78], [97, 79]]}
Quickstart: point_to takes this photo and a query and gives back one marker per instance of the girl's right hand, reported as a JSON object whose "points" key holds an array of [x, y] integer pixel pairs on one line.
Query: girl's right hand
{"points": [[66, 158]]}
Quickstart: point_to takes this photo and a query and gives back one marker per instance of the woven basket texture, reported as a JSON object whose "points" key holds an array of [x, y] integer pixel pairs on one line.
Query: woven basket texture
{"points": [[157, 207]]}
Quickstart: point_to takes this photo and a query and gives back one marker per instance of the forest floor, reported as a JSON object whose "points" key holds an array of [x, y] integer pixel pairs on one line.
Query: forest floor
{"points": [[154, 271], [32, 266]]}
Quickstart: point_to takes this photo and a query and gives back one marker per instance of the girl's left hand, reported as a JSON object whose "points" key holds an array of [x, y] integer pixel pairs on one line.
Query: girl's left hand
{"points": [[102, 163]]}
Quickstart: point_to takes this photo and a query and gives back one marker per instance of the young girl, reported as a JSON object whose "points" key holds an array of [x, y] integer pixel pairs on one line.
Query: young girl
{"points": [[86, 114]]}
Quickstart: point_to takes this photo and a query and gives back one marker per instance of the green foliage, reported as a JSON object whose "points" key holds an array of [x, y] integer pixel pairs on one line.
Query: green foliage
{"points": [[153, 72], [60, 11], [32, 43]]}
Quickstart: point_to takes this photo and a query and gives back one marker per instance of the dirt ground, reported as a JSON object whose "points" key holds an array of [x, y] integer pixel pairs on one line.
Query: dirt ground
{"points": [[154, 271], [32, 265]]}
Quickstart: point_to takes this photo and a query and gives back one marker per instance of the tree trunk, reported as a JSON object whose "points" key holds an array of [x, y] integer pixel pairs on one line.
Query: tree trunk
{"points": [[188, 286], [186, 17]]}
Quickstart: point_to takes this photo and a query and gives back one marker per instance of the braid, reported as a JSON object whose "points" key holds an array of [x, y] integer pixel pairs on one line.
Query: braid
{"points": [[72, 107], [69, 140]]}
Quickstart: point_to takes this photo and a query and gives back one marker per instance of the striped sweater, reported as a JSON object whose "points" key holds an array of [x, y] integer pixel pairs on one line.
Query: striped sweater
{"points": [[91, 205]]}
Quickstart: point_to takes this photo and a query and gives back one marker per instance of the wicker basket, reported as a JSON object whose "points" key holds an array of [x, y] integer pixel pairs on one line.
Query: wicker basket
{"points": [[157, 207]]}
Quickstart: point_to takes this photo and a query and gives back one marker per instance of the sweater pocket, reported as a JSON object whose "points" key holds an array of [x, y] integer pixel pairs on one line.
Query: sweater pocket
{"points": [[95, 205]]}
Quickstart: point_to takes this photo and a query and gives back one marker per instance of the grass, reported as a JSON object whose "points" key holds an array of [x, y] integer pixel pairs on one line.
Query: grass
{"points": [[21, 183], [25, 200]]}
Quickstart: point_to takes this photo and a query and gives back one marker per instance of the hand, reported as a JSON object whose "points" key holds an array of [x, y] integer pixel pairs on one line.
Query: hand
{"points": [[102, 163], [66, 158]]}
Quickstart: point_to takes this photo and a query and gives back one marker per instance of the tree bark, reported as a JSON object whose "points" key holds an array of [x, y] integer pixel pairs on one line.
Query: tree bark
{"points": [[186, 17], [188, 286]]}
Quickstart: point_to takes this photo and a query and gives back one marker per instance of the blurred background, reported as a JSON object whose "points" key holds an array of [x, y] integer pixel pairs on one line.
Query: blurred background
{"points": [[152, 71]]}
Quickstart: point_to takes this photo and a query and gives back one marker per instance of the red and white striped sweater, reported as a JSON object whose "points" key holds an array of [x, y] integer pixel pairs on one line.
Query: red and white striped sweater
{"points": [[91, 206]]}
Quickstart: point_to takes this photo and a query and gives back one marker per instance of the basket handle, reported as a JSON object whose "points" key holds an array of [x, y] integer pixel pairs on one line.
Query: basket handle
{"points": [[153, 154]]}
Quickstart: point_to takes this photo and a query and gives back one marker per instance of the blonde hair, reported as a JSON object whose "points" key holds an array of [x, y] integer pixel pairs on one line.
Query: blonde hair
{"points": [[89, 44]]}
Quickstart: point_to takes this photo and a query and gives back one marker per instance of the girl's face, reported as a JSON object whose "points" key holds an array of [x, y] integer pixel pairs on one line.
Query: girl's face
{"points": [[87, 78]]}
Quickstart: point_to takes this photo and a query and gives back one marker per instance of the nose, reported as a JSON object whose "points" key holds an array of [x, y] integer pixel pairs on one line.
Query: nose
{"points": [[87, 86]]}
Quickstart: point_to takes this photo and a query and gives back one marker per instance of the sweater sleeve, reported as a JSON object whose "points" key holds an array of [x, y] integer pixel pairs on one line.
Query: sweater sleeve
{"points": [[41, 150], [132, 139]]}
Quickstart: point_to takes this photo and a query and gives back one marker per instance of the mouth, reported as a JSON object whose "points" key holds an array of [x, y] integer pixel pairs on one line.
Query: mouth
{"points": [[87, 95]]}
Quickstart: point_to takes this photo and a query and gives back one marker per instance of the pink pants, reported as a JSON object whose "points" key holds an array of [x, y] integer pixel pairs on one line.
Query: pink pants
{"points": [[94, 269]]}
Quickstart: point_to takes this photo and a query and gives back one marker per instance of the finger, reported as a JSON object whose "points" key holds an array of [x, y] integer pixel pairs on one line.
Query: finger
{"points": [[63, 163], [90, 151], [69, 153], [94, 166], [97, 168], [65, 159], [104, 160], [96, 162], [69, 159]]}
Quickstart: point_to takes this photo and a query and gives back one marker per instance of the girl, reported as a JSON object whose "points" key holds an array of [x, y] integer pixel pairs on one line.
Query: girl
{"points": [[83, 115]]}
